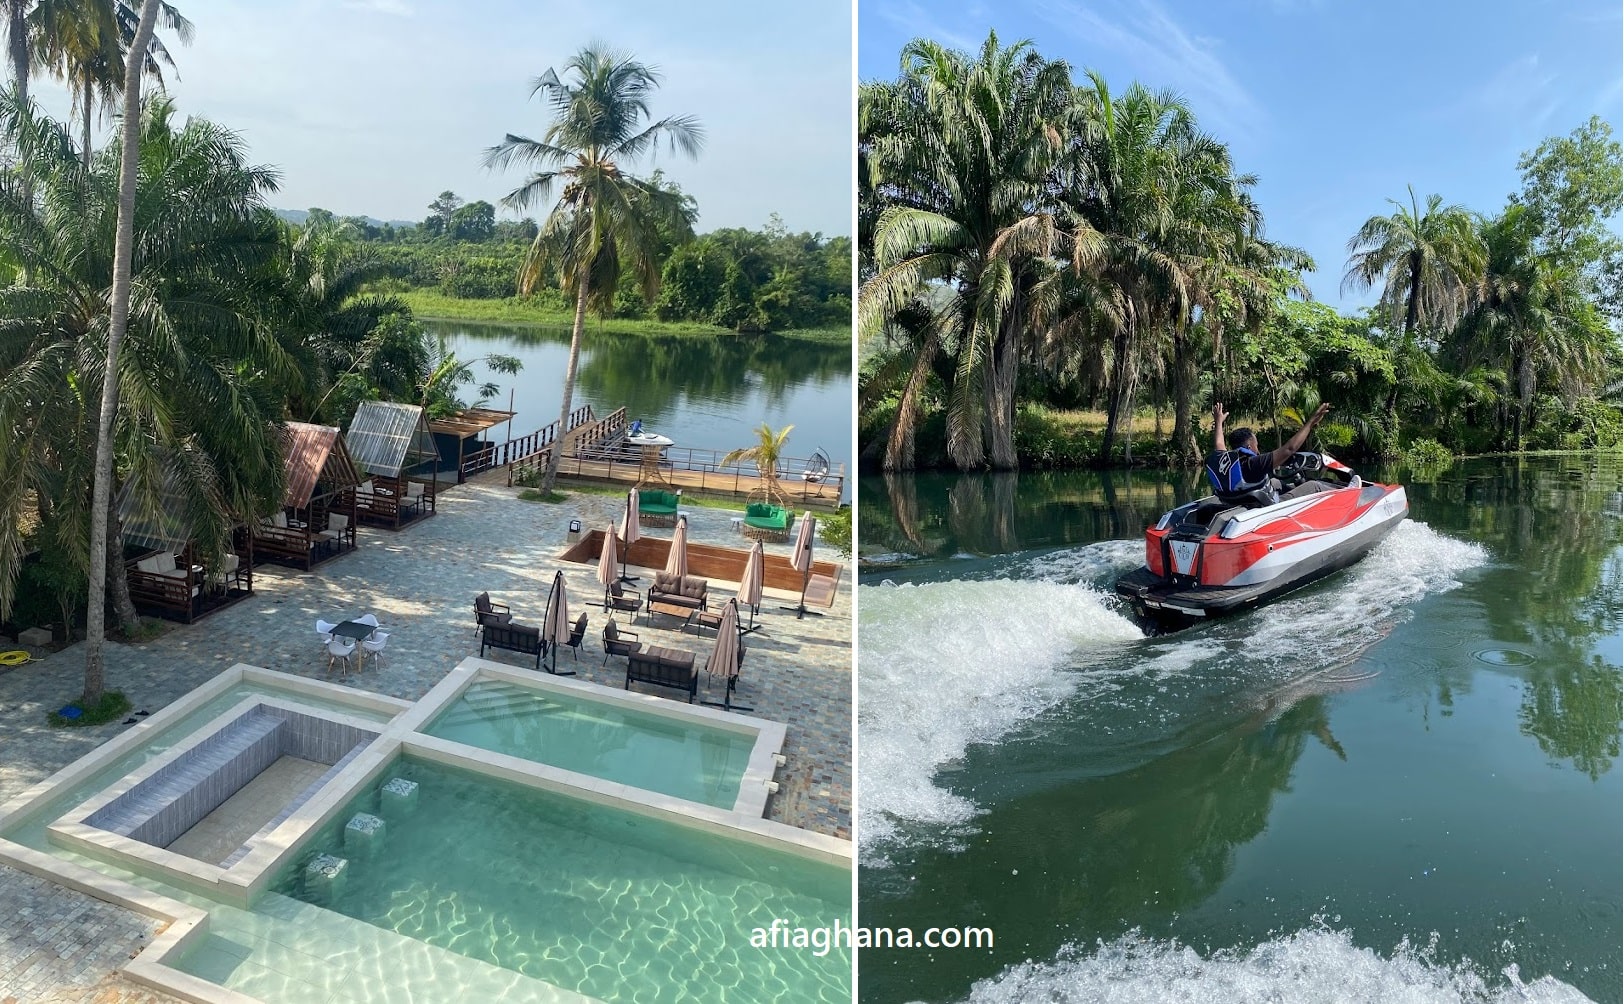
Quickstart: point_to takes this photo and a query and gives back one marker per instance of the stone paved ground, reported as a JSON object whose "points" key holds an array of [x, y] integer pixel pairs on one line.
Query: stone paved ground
{"points": [[59, 945], [421, 583]]}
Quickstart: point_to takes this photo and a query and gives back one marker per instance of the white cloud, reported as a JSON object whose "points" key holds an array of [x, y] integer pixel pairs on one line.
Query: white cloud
{"points": [[1159, 49]]}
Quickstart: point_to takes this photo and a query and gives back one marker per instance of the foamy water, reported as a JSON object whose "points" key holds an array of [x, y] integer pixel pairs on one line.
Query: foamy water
{"points": [[947, 665], [1316, 965]]}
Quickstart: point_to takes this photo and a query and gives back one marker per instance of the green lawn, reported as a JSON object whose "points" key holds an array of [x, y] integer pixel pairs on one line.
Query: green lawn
{"points": [[427, 303]]}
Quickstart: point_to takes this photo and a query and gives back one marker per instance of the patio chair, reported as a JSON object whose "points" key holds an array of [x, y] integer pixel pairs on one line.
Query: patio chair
{"points": [[618, 642], [340, 649], [577, 636], [370, 620], [619, 597], [374, 647], [486, 612], [324, 630]]}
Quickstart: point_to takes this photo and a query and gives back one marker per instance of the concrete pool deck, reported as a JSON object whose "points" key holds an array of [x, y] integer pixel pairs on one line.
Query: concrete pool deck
{"points": [[420, 582]]}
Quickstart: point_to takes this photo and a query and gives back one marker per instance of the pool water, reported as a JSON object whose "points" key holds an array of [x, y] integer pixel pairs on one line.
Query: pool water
{"points": [[655, 752], [596, 900]]}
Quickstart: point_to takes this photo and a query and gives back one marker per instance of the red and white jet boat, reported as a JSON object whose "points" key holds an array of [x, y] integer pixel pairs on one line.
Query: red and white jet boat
{"points": [[1211, 557]]}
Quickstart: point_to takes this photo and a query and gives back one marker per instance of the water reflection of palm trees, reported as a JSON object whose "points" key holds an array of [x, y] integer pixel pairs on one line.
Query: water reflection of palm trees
{"points": [[937, 516], [1553, 522], [1146, 843]]}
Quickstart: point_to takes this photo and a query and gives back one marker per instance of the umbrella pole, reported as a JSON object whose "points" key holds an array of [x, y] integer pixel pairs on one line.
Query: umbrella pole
{"points": [[753, 625], [800, 609]]}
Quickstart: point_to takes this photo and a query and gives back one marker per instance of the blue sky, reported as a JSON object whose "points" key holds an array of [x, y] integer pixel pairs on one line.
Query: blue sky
{"points": [[375, 106], [1337, 106]]}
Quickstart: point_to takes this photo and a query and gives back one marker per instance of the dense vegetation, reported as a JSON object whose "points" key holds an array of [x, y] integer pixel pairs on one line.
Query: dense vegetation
{"points": [[1037, 249], [743, 280], [159, 322]]}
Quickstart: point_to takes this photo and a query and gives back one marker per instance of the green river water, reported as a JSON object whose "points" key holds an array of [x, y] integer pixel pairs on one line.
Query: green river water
{"points": [[1398, 784]]}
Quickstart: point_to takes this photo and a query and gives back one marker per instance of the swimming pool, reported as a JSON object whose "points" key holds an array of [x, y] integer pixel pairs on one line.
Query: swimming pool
{"points": [[589, 898], [513, 880], [684, 758]]}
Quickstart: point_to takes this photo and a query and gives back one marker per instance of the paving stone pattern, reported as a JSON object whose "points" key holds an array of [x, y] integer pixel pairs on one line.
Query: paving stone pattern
{"points": [[420, 582]]}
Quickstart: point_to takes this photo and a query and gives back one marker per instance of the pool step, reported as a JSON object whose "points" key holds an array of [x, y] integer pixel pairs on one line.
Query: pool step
{"points": [[487, 704]]}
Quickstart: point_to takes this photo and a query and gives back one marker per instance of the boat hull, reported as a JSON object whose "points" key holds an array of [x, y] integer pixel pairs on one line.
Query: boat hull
{"points": [[1249, 557]]}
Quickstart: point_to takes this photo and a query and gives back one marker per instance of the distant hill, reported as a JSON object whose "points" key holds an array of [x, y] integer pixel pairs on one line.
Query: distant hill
{"points": [[298, 216]]}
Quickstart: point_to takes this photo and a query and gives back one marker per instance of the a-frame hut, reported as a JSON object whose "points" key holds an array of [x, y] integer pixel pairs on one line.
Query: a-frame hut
{"points": [[317, 520], [170, 574], [394, 448]]}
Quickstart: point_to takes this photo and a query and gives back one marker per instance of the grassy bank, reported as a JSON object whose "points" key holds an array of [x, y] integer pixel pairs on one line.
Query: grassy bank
{"points": [[514, 310]]}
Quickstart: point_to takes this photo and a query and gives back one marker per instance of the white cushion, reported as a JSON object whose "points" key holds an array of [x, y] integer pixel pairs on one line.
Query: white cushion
{"points": [[280, 519], [366, 486], [148, 565], [229, 563], [337, 522], [166, 563]]}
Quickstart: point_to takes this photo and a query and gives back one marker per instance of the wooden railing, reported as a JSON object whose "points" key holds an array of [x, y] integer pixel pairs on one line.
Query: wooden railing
{"points": [[530, 452], [704, 471]]}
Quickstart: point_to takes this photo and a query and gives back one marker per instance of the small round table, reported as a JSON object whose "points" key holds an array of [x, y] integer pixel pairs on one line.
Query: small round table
{"points": [[651, 445]]}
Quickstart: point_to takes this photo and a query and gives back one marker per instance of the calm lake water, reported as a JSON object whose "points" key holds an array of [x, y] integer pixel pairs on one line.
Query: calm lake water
{"points": [[1399, 784], [709, 393]]}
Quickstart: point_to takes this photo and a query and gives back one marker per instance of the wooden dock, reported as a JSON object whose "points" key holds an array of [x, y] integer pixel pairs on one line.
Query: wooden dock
{"points": [[730, 482]]}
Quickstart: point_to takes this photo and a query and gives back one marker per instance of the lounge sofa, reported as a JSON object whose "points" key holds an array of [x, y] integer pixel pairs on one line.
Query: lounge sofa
{"points": [[658, 508], [688, 592], [654, 668]]}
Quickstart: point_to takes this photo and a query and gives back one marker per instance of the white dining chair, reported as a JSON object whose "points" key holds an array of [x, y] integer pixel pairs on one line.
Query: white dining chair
{"points": [[371, 620], [325, 630], [340, 649], [375, 646]]}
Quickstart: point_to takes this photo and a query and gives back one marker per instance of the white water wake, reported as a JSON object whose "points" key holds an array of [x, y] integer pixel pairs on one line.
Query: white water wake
{"points": [[946, 665], [1316, 965]]}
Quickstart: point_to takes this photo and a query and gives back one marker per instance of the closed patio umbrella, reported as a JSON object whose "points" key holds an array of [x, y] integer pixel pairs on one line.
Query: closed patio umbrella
{"points": [[751, 582], [800, 559], [555, 628], [607, 559], [676, 563], [724, 658], [630, 530]]}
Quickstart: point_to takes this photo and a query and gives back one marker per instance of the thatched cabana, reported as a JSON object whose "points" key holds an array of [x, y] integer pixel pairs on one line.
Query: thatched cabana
{"points": [[457, 439], [169, 573], [317, 520], [392, 445]]}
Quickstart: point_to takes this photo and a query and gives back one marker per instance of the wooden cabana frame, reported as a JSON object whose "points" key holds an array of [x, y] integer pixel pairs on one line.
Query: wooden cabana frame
{"points": [[464, 428], [169, 573], [318, 514], [391, 443]]}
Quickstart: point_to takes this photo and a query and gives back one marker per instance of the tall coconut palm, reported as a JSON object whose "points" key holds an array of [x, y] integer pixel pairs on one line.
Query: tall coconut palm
{"points": [[85, 43], [957, 151], [765, 455], [605, 219], [1429, 262]]}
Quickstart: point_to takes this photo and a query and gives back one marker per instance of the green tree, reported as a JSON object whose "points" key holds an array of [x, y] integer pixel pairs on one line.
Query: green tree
{"points": [[444, 204], [1572, 190], [605, 219], [958, 150], [192, 400], [474, 222]]}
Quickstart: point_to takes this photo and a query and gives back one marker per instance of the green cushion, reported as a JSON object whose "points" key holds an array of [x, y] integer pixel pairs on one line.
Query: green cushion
{"points": [[656, 502], [766, 517]]}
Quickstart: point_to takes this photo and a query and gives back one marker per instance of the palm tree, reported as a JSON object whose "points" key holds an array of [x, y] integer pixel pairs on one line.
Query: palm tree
{"points": [[199, 377], [957, 153], [85, 43], [765, 455], [605, 219], [1531, 318]]}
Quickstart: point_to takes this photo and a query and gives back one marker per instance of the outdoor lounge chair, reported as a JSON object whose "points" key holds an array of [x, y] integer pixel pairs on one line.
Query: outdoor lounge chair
{"points": [[618, 642], [486, 612], [763, 519], [658, 508], [577, 636], [619, 597]]}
